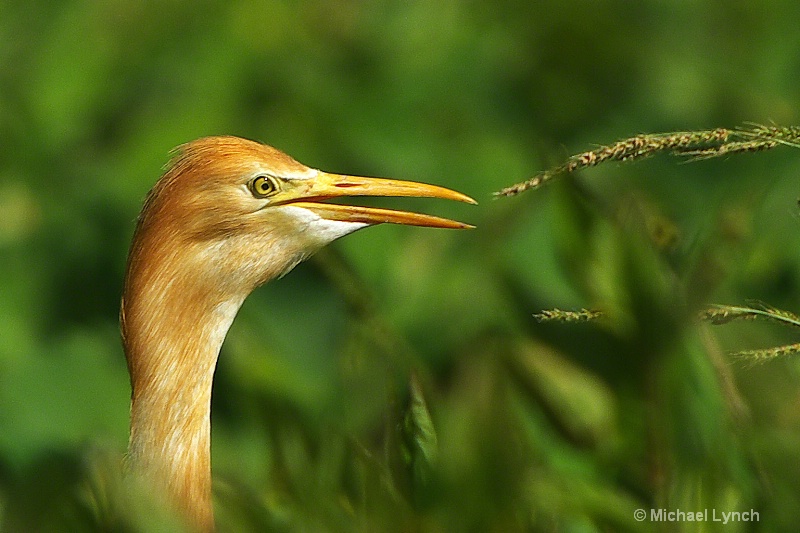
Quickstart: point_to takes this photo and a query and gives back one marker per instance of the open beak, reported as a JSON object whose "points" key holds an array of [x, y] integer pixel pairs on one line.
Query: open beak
{"points": [[326, 186]]}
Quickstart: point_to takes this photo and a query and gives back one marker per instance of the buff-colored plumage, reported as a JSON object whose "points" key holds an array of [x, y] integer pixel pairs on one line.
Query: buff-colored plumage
{"points": [[204, 240]]}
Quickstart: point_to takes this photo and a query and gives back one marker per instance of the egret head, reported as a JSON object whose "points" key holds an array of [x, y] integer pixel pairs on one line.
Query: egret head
{"points": [[245, 212]]}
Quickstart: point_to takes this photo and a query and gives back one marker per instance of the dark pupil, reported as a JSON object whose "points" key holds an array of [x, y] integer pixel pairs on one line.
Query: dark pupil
{"points": [[264, 185]]}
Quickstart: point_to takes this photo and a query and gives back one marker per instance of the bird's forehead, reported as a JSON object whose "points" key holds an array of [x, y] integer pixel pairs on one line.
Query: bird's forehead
{"points": [[229, 157]]}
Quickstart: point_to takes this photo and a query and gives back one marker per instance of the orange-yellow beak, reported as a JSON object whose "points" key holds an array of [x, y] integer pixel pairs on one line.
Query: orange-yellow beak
{"points": [[325, 186]]}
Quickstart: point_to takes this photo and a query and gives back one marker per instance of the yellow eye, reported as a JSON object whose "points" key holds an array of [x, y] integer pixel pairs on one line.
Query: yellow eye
{"points": [[263, 186]]}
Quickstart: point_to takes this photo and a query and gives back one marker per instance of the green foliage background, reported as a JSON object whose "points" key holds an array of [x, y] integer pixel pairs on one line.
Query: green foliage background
{"points": [[507, 424]]}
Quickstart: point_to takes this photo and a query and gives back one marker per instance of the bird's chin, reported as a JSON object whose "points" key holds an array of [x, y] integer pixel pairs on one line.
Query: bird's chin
{"points": [[315, 228]]}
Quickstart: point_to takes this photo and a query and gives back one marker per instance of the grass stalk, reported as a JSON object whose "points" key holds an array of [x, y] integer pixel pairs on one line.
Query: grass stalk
{"points": [[694, 145]]}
